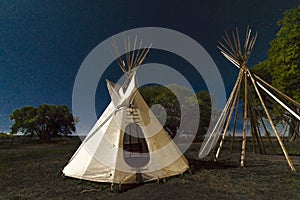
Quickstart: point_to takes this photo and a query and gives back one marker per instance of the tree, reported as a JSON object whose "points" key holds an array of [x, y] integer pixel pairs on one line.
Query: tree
{"points": [[205, 103], [282, 67], [46, 121], [166, 98]]}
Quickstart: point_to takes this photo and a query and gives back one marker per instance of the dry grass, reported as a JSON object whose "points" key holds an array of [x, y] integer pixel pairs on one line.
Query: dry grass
{"points": [[34, 172]]}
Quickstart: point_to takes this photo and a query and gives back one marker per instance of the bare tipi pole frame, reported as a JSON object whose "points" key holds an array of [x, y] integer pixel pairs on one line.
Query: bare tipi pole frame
{"points": [[239, 55]]}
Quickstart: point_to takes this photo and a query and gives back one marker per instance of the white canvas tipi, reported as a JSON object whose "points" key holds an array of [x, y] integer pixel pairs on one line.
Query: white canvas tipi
{"points": [[127, 144]]}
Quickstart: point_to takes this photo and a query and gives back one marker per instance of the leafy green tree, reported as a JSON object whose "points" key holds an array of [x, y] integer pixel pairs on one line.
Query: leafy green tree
{"points": [[282, 67], [4, 135], [165, 97], [45, 121], [205, 103]]}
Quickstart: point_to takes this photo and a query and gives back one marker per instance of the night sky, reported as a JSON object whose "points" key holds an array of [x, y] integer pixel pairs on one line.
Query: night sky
{"points": [[43, 43]]}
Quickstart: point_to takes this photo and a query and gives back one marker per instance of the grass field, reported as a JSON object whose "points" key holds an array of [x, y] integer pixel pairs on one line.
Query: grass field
{"points": [[33, 171]]}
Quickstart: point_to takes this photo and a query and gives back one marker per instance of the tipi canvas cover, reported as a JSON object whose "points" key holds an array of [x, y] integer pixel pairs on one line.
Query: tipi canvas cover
{"points": [[127, 144]]}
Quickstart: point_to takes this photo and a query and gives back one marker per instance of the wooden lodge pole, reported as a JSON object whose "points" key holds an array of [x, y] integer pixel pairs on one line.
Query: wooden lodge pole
{"points": [[234, 98], [234, 122], [272, 125], [243, 154], [279, 92]]}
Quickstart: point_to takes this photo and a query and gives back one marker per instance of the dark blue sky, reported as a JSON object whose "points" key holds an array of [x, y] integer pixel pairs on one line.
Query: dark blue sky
{"points": [[43, 43]]}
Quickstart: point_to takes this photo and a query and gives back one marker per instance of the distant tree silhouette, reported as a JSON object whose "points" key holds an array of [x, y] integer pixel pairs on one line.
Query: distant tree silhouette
{"points": [[45, 121], [166, 98]]}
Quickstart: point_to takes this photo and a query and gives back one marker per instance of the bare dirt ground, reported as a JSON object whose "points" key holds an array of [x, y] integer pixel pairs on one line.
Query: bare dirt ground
{"points": [[33, 171]]}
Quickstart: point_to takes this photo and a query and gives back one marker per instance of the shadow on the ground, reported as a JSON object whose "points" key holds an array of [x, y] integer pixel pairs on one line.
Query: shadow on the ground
{"points": [[197, 165]]}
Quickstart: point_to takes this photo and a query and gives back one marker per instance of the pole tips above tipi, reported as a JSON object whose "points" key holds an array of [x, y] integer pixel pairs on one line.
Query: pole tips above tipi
{"points": [[232, 49], [134, 56]]}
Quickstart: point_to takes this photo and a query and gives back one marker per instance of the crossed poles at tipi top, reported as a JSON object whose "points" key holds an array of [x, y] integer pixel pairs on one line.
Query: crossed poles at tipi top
{"points": [[239, 55]]}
